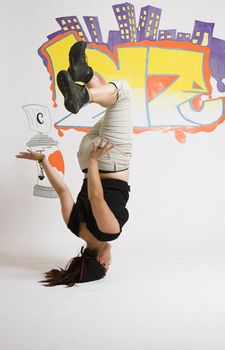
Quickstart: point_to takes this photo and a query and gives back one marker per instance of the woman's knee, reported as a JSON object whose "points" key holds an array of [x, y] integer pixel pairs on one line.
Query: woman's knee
{"points": [[123, 87]]}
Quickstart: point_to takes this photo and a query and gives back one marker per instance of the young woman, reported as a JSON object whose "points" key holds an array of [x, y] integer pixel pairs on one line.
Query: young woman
{"points": [[99, 212]]}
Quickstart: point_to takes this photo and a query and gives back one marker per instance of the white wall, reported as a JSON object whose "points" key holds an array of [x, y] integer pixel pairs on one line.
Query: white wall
{"points": [[178, 191]]}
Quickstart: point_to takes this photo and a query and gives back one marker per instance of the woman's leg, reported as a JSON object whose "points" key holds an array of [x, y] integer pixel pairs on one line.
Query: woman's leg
{"points": [[116, 126], [103, 94], [76, 95], [100, 92]]}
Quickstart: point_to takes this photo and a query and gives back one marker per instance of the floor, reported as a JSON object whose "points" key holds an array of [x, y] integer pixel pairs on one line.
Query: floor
{"points": [[158, 296]]}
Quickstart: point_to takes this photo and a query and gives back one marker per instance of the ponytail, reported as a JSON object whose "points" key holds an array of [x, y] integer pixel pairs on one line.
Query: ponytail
{"points": [[82, 268]]}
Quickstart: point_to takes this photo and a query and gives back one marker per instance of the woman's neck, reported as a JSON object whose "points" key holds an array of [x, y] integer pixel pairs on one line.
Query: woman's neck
{"points": [[87, 236]]}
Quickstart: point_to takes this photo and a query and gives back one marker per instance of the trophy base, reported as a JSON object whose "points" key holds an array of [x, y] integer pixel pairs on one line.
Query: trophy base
{"points": [[44, 191]]}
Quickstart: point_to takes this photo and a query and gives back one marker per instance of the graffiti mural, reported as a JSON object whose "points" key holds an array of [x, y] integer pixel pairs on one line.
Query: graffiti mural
{"points": [[177, 79], [40, 122]]}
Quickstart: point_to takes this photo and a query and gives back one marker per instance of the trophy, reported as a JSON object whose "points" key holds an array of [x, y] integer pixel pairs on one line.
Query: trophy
{"points": [[39, 120]]}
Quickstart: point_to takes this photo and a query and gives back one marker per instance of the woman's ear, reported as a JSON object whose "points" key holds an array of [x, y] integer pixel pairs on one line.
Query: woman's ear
{"points": [[100, 260]]}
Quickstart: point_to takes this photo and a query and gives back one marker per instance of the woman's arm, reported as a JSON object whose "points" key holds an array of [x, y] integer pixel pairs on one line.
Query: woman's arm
{"points": [[95, 189], [103, 215], [55, 180]]}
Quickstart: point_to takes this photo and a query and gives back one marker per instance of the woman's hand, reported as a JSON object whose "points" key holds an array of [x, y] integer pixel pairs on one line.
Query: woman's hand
{"points": [[30, 155], [104, 147]]}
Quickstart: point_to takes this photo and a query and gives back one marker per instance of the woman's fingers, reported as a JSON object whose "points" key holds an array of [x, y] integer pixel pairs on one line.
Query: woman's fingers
{"points": [[28, 154], [108, 146], [101, 143], [22, 154], [104, 144], [94, 146], [111, 147], [108, 149], [101, 148]]}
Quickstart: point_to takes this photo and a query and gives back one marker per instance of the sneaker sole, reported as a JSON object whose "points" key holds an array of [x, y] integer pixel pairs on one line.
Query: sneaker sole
{"points": [[78, 51], [66, 86]]}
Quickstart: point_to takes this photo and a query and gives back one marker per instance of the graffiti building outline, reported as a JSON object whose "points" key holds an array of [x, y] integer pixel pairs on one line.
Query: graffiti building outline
{"points": [[178, 84]]}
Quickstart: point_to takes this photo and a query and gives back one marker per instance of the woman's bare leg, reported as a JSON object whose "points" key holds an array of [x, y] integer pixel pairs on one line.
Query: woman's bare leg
{"points": [[95, 82], [100, 92]]}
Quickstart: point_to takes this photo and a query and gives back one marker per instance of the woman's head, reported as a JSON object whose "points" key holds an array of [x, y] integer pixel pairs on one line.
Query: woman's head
{"points": [[104, 254], [85, 267]]}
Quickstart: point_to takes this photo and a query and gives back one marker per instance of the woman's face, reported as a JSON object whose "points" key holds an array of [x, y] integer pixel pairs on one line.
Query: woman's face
{"points": [[105, 257]]}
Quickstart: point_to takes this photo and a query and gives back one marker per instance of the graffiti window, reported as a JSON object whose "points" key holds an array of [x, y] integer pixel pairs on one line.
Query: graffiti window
{"points": [[184, 75]]}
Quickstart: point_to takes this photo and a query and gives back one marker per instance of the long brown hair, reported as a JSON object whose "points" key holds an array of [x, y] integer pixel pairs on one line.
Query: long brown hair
{"points": [[82, 268]]}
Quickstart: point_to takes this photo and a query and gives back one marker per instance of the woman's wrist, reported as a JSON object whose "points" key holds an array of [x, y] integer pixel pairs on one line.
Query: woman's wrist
{"points": [[41, 158], [92, 159], [92, 164]]}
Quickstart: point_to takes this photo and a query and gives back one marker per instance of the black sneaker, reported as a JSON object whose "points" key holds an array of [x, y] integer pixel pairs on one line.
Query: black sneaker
{"points": [[79, 69], [75, 95]]}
